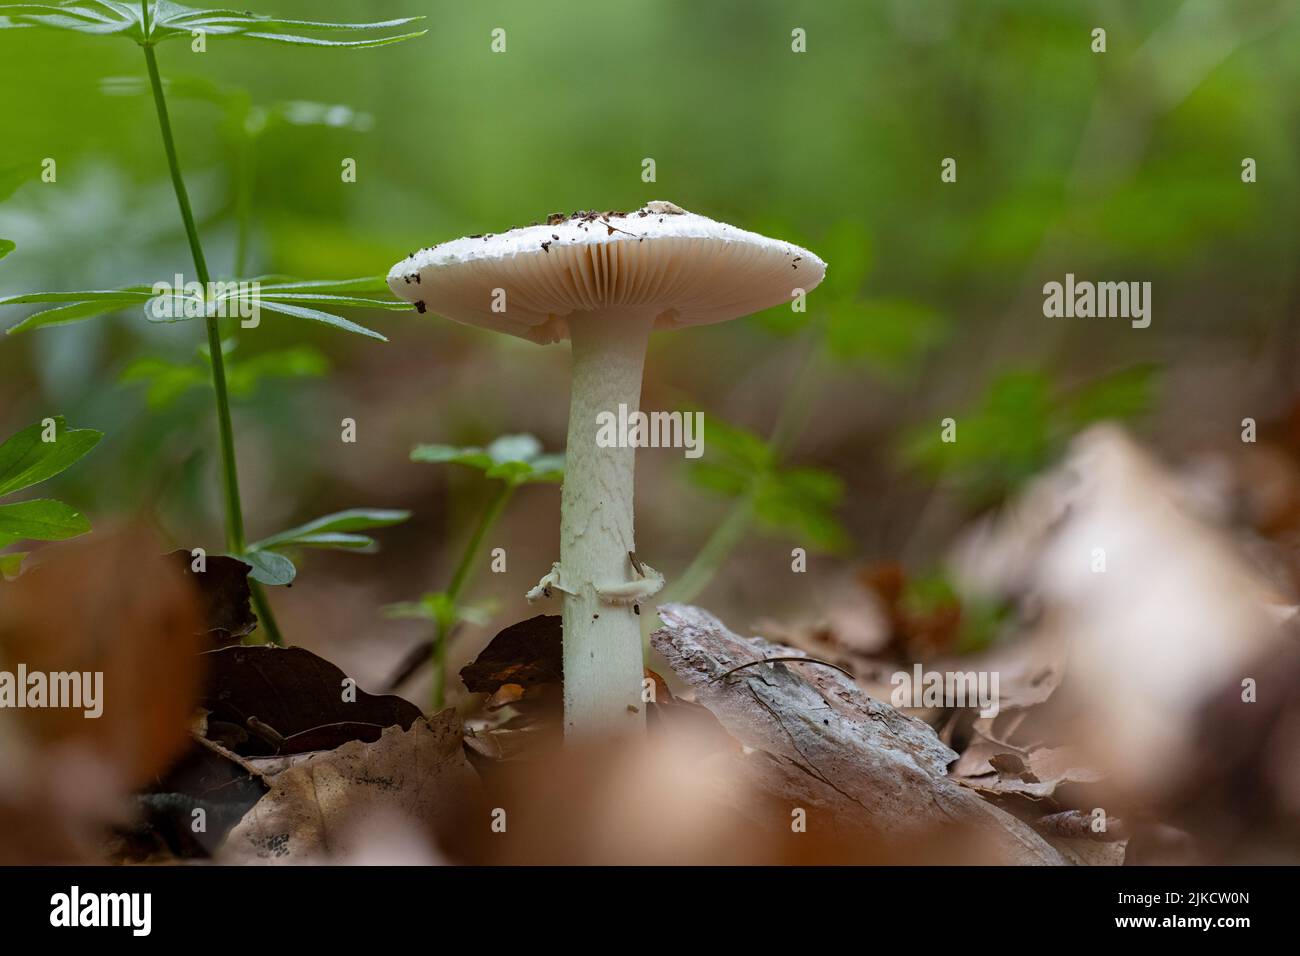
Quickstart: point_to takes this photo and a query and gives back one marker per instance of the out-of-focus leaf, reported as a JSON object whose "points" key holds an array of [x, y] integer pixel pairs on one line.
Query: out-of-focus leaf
{"points": [[1020, 426], [11, 564], [26, 460], [165, 381], [43, 519], [7, 246], [517, 459], [1125, 394], [801, 502], [168, 20]]}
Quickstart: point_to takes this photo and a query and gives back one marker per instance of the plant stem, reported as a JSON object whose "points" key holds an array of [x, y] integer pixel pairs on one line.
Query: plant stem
{"points": [[262, 605], [458, 581], [709, 559], [790, 418], [230, 476]]}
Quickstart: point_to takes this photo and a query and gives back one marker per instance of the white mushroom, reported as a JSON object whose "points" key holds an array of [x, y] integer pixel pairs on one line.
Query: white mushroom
{"points": [[604, 281]]}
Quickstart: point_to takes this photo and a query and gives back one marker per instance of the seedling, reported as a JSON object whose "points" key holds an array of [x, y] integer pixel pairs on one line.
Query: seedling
{"points": [[512, 460], [38, 452]]}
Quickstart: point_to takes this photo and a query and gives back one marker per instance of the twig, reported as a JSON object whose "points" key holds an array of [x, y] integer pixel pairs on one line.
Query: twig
{"points": [[784, 660]]}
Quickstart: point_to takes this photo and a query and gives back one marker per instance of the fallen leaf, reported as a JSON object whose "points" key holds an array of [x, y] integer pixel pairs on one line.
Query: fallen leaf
{"points": [[528, 654], [266, 700], [419, 775]]}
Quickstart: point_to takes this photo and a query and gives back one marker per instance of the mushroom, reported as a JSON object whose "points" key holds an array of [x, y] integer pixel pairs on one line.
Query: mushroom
{"points": [[603, 281]]}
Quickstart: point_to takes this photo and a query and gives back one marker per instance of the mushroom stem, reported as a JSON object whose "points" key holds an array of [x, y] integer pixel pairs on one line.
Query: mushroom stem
{"points": [[603, 666]]}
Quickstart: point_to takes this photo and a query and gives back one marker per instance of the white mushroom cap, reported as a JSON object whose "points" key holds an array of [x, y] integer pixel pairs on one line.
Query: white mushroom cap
{"points": [[659, 260]]}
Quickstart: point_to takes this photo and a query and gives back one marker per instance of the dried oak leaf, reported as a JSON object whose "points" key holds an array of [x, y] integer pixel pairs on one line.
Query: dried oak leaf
{"points": [[528, 654], [312, 811], [282, 700]]}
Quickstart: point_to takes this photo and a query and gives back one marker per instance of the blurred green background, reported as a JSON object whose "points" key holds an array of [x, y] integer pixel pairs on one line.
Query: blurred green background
{"points": [[1117, 166]]}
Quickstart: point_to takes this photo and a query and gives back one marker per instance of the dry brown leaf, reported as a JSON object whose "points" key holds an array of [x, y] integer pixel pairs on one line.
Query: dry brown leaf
{"points": [[316, 807]]}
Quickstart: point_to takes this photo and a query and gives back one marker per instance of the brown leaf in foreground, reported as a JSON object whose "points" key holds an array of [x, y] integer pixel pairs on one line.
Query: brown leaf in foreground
{"points": [[109, 605], [318, 809], [118, 620]]}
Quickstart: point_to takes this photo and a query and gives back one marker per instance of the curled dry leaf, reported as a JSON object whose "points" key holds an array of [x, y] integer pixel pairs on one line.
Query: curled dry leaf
{"points": [[312, 812], [816, 741], [224, 595]]}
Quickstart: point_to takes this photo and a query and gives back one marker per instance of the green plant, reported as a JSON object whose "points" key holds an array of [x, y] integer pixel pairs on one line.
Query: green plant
{"points": [[841, 326], [38, 452], [149, 24], [795, 501], [512, 460], [244, 124], [1020, 425]]}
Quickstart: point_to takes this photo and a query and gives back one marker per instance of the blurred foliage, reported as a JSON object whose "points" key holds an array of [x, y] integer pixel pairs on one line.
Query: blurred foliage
{"points": [[1124, 165], [166, 381], [792, 501], [1019, 426]]}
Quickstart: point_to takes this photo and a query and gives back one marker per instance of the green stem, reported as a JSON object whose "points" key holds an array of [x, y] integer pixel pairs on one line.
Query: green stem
{"points": [[458, 581], [230, 476], [265, 618], [726, 536], [709, 559]]}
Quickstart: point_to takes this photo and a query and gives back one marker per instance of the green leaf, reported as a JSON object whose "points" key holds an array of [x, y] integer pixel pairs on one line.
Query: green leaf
{"points": [[128, 294], [335, 301], [26, 460], [1121, 395], [166, 381], [65, 314], [268, 567], [314, 315], [800, 502], [43, 519], [7, 246], [74, 306], [11, 564], [168, 20], [318, 531], [243, 377], [270, 285]]}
